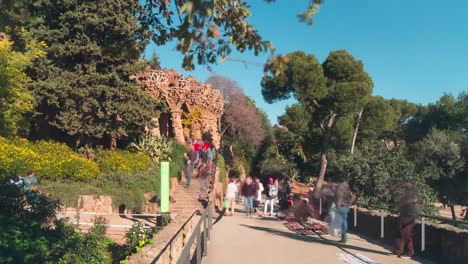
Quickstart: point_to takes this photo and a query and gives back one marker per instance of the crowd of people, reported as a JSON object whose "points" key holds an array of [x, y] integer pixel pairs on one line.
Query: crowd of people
{"points": [[200, 157], [336, 198]]}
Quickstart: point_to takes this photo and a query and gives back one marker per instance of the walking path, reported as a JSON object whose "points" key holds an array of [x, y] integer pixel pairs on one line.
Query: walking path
{"points": [[238, 239]]}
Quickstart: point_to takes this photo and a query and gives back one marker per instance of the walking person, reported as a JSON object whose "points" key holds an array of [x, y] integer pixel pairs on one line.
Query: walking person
{"points": [[231, 191], [206, 171], [271, 196], [258, 197], [407, 206], [249, 190], [344, 198], [192, 159]]}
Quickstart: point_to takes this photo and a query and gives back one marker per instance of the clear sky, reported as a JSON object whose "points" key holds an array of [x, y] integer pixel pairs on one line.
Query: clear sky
{"points": [[415, 50]]}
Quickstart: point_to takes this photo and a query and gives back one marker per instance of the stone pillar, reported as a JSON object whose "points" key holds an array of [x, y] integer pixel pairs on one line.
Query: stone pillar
{"points": [[177, 125]]}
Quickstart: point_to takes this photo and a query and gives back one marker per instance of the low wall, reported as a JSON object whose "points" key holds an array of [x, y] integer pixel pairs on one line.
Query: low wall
{"points": [[443, 242], [169, 243]]}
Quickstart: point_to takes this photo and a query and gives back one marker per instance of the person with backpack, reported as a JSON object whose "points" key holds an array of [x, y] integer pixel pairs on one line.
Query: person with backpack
{"points": [[30, 186], [271, 196]]}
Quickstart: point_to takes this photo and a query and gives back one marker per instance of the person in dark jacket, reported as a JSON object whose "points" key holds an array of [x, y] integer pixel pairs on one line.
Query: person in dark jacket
{"points": [[249, 190], [407, 206]]}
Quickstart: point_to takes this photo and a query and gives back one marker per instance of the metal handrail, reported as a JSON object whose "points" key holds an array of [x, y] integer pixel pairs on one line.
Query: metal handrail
{"points": [[201, 235]]}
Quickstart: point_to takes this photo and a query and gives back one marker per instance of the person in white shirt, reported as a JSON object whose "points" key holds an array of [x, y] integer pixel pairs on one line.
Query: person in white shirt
{"points": [[231, 195], [258, 198]]}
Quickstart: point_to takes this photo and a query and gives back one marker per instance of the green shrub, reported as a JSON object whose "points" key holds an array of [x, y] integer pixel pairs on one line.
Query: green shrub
{"points": [[48, 159], [221, 166], [122, 160], [158, 149], [178, 161], [124, 188]]}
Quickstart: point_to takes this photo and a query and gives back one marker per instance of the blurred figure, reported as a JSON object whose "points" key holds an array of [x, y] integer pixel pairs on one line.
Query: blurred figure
{"points": [[258, 197], [30, 186], [249, 190], [192, 159], [272, 193], [407, 206], [344, 198], [284, 192], [231, 194]]}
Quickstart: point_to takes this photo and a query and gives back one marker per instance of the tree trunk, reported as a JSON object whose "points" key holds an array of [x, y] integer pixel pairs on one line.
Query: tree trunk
{"points": [[452, 209], [177, 126], [326, 132], [356, 131]]}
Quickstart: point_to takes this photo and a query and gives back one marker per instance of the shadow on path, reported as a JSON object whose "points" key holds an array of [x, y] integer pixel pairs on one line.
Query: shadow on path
{"points": [[324, 241]]}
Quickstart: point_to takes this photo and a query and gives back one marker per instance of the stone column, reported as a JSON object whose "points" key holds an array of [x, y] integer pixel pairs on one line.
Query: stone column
{"points": [[176, 116]]}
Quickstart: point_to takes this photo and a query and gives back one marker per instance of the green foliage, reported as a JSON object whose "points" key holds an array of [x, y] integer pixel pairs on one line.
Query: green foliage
{"points": [[48, 159], [15, 99], [275, 165], [440, 160], [82, 87], [137, 237], [31, 235], [178, 162], [221, 167], [124, 188], [158, 149], [373, 173], [122, 160]]}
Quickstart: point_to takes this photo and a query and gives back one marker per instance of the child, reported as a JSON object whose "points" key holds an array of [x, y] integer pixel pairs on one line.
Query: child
{"points": [[231, 194]]}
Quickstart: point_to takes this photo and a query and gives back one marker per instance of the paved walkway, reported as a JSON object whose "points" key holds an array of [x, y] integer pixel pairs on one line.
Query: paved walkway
{"points": [[241, 240]]}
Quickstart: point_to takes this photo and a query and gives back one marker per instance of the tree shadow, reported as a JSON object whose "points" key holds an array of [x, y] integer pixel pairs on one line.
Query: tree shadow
{"points": [[321, 240]]}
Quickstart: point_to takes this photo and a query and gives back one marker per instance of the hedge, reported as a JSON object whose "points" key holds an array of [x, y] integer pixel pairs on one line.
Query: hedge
{"points": [[122, 160]]}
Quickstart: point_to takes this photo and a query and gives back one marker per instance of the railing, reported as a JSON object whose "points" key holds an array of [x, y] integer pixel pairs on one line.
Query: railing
{"points": [[422, 218], [201, 234]]}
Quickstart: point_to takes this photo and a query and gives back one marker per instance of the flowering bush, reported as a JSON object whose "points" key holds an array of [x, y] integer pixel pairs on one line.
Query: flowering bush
{"points": [[48, 159], [122, 160]]}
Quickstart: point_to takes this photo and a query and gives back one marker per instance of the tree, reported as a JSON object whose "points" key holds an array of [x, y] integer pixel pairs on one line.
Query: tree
{"points": [[374, 173], [335, 90], [15, 99], [241, 119], [82, 88], [441, 162]]}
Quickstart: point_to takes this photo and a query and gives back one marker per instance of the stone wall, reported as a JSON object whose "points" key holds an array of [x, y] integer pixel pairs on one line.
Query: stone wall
{"points": [[443, 242], [169, 243]]}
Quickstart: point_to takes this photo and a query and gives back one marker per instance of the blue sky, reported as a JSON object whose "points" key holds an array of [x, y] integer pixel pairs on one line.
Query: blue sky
{"points": [[415, 50]]}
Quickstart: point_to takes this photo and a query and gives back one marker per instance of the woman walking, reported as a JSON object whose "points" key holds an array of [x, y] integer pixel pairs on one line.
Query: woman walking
{"points": [[231, 195], [270, 197], [249, 190], [258, 197]]}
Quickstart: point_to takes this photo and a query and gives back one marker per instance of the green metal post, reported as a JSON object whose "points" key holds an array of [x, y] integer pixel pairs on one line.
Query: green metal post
{"points": [[165, 187]]}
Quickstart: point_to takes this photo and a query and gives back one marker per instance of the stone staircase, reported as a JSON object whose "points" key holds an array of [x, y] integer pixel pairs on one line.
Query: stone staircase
{"points": [[186, 199]]}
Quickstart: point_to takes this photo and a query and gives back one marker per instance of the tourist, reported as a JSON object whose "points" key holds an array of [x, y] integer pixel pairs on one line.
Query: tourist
{"points": [[192, 159], [271, 196], [284, 193], [238, 190], [206, 171], [344, 198], [30, 186], [249, 190], [231, 191], [258, 197], [407, 206]]}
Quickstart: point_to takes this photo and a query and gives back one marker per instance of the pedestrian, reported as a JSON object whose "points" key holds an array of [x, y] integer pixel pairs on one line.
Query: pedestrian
{"points": [[407, 206], [192, 159], [271, 196], [284, 193], [30, 186], [258, 197], [238, 191], [344, 198], [249, 190], [206, 172], [231, 195]]}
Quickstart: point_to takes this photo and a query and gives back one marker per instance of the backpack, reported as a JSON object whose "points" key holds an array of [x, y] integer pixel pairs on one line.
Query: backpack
{"points": [[273, 192]]}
